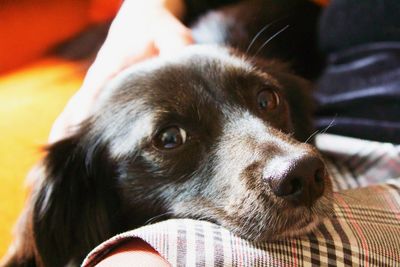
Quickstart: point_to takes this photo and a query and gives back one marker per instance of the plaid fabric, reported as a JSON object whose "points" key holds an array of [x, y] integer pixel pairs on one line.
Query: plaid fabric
{"points": [[365, 230], [355, 163]]}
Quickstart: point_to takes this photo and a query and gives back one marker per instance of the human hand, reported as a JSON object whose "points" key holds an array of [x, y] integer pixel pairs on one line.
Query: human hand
{"points": [[138, 32]]}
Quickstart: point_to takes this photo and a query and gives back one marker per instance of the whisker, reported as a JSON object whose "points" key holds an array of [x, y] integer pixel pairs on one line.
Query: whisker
{"points": [[330, 124], [151, 220], [311, 136], [270, 39], [256, 36], [263, 29]]}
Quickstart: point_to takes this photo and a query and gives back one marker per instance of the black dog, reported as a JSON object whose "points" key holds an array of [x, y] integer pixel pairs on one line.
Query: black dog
{"points": [[213, 134]]}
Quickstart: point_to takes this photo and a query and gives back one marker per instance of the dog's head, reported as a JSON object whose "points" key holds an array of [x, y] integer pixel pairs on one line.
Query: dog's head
{"points": [[206, 135]]}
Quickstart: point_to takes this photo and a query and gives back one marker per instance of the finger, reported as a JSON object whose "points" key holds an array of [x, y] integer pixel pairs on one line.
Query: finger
{"points": [[172, 38], [75, 112]]}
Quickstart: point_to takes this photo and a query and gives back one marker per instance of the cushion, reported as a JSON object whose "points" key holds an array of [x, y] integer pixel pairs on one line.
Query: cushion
{"points": [[364, 230]]}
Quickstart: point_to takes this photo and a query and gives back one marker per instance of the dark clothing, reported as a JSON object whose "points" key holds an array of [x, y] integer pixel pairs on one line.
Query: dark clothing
{"points": [[359, 91], [347, 23]]}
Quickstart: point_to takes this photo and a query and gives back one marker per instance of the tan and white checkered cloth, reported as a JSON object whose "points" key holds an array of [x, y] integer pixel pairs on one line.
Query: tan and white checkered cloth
{"points": [[365, 230]]}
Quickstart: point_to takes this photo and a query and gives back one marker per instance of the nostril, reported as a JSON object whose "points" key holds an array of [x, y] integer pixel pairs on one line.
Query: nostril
{"points": [[300, 181], [319, 181], [296, 186], [288, 187], [319, 176]]}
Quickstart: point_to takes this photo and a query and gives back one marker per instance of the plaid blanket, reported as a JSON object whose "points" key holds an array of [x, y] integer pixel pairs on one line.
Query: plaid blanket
{"points": [[365, 230]]}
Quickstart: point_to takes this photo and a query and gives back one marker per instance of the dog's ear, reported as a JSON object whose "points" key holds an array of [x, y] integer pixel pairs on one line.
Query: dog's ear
{"points": [[298, 93], [73, 206], [76, 204]]}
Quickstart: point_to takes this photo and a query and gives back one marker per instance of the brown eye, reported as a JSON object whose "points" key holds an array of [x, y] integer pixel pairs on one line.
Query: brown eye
{"points": [[267, 100], [171, 137]]}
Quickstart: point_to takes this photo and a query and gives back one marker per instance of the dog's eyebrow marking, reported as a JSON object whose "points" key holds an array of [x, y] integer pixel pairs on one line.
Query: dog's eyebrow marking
{"points": [[214, 52], [138, 131], [244, 127], [237, 132], [242, 121]]}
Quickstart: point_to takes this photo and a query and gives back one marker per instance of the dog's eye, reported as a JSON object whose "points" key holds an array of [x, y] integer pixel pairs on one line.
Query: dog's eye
{"points": [[267, 100], [170, 138]]}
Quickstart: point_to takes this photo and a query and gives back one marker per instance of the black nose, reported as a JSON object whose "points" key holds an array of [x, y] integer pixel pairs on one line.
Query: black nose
{"points": [[300, 181]]}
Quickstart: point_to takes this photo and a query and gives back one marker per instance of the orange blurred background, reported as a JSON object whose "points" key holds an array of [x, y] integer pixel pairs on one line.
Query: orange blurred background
{"points": [[35, 86]]}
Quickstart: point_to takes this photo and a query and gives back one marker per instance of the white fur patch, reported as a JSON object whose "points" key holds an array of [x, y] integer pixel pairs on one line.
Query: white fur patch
{"points": [[214, 52], [138, 131]]}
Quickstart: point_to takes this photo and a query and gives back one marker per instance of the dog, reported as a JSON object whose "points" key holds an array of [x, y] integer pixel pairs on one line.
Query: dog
{"points": [[214, 133]]}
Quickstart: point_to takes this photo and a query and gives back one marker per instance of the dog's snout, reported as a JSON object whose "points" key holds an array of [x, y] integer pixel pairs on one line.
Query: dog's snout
{"points": [[299, 181]]}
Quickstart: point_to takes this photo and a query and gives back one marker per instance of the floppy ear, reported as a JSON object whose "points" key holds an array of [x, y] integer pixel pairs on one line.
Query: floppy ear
{"points": [[299, 96], [298, 93], [73, 207], [76, 204]]}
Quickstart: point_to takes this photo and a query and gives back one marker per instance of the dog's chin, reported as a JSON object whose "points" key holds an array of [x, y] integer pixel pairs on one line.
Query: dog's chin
{"points": [[305, 226], [292, 222], [303, 220], [300, 221]]}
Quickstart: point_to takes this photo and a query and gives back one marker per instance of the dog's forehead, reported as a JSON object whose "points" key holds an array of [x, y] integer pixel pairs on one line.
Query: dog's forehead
{"points": [[179, 71], [186, 78], [199, 85], [207, 53]]}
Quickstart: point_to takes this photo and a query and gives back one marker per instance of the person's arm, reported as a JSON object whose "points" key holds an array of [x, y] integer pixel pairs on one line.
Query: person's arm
{"points": [[141, 29], [136, 251]]}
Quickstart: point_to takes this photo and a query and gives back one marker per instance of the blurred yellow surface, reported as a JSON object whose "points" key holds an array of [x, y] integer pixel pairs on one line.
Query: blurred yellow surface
{"points": [[30, 100]]}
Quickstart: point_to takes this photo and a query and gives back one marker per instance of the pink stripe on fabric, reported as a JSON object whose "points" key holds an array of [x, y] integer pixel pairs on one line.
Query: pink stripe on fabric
{"points": [[393, 164], [389, 200], [356, 226], [294, 251], [392, 204]]}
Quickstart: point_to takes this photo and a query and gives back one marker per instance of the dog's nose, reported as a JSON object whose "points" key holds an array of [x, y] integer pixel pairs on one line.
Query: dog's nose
{"points": [[300, 181]]}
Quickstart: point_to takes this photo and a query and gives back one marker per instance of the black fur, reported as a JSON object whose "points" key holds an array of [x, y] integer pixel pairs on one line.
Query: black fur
{"points": [[77, 196], [93, 185]]}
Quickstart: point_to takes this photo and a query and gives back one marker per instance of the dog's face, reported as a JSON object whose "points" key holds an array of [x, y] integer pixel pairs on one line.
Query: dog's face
{"points": [[207, 135]]}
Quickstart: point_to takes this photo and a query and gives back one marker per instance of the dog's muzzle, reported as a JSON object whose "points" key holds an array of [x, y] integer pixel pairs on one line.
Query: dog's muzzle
{"points": [[300, 180]]}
